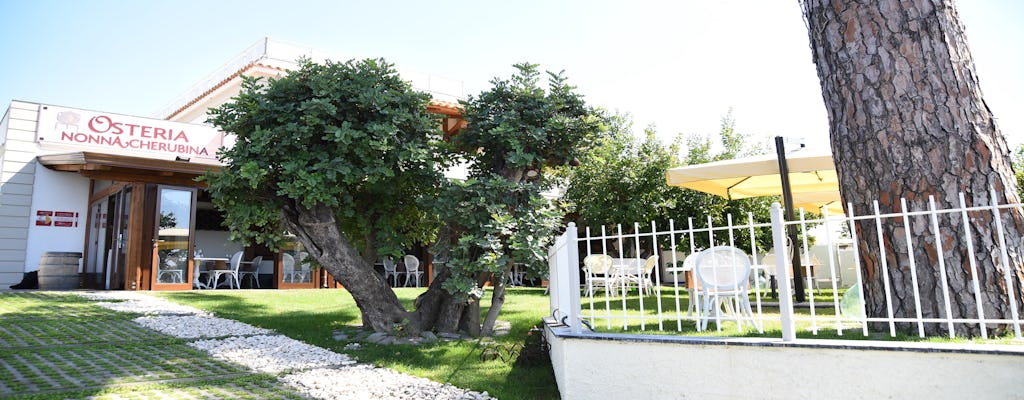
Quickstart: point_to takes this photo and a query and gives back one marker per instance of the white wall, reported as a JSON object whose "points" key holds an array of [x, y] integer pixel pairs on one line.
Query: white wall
{"points": [[636, 367], [216, 243], [17, 174], [57, 191]]}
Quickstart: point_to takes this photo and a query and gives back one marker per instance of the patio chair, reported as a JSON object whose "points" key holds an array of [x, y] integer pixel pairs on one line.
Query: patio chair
{"points": [[287, 268], [251, 270], [231, 272], [412, 269], [168, 271], [598, 273], [390, 270], [723, 272], [304, 273], [642, 278]]}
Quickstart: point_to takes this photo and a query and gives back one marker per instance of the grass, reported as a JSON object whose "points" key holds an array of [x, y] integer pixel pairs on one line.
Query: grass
{"points": [[673, 323], [312, 316], [57, 345]]}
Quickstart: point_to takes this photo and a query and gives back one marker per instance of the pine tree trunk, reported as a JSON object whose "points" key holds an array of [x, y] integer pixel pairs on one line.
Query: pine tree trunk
{"points": [[907, 119]]}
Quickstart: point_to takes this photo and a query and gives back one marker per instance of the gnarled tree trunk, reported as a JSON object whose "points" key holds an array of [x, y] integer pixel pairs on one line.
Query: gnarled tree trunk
{"points": [[318, 231], [907, 119]]}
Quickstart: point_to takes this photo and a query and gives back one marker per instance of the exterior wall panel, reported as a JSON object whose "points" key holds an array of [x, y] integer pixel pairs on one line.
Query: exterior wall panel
{"points": [[17, 177]]}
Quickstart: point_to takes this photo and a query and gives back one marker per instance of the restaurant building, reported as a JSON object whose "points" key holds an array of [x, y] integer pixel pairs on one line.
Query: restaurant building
{"points": [[121, 190]]}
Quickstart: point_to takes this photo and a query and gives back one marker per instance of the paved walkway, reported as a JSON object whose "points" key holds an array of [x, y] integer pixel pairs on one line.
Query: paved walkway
{"points": [[127, 345], [61, 345]]}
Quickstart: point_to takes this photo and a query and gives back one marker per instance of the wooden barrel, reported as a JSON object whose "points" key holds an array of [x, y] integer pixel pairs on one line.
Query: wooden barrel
{"points": [[59, 270]]}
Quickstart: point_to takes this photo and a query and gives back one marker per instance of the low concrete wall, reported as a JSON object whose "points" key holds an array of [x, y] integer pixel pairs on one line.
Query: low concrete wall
{"points": [[593, 366]]}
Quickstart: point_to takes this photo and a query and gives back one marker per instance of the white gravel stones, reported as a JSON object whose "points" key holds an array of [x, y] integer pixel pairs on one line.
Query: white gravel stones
{"points": [[135, 302], [311, 370], [367, 382], [271, 353], [194, 326]]}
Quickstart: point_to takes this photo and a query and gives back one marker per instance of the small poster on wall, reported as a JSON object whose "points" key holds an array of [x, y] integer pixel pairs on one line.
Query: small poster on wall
{"points": [[67, 219], [44, 218]]}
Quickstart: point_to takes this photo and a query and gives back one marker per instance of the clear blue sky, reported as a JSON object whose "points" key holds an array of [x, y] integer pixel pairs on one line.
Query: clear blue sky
{"points": [[678, 64]]}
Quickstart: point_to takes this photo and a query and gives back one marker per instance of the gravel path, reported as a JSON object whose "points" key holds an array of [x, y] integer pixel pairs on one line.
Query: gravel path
{"points": [[310, 370]]}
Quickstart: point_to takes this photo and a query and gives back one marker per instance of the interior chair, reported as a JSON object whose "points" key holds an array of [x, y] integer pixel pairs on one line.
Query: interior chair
{"points": [[597, 268], [723, 272], [304, 273], [251, 270], [169, 272], [390, 269], [412, 269], [232, 273], [287, 268]]}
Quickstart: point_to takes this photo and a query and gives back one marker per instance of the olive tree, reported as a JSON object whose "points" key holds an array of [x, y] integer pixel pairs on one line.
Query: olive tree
{"points": [[334, 154], [516, 132]]}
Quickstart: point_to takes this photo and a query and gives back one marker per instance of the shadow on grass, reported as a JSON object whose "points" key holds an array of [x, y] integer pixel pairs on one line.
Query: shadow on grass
{"points": [[313, 315]]}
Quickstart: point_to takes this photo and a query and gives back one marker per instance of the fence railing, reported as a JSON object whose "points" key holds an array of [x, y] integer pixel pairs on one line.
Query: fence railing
{"points": [[603, 277]]}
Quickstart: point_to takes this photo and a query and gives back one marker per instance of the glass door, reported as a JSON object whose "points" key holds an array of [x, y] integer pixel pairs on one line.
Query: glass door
{"points": [[172, 261], [96, 251], [114, 239]]}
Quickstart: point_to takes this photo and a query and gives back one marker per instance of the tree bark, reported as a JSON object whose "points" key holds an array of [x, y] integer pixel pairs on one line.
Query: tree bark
{"points": [[907, 119], [497, 301], [318, 231]]}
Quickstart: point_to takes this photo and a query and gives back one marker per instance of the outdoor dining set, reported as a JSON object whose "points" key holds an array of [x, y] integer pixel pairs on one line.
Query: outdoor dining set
{"points": [[718, 280], [213, 272]]}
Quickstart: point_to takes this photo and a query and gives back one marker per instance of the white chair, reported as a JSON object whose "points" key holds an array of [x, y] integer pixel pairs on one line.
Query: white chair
{"points": [[231, 272], [412, 269], [598, 273], [723, 272], [304, 273], [287, 268], [168, 272], [390, 269], [251, 271]]}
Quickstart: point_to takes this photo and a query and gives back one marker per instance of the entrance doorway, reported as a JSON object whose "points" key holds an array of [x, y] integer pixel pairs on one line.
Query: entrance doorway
{"points": [[173, 238], [108, 240]]}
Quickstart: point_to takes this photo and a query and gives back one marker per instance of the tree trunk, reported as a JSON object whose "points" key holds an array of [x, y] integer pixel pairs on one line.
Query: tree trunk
{"points": [[907, 119], [318, 231], [497, 300]]}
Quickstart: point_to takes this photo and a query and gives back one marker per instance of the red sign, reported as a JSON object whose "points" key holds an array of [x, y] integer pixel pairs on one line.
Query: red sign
{"points": [[65, 219], [44, 218]]}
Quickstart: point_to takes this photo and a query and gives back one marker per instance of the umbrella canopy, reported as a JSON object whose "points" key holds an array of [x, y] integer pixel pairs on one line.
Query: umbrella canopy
{"points": [[812, 177]]}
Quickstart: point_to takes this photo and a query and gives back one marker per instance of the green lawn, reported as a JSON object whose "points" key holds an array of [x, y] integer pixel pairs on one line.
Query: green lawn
{"points": [[313, 315], [607, 315]]}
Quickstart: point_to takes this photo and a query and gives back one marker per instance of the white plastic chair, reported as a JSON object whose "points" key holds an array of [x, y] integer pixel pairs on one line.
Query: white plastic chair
{"points": [[252, 271], [598, 273], [304, 273], [723, 272], [287, 268], [231, 272], [412, 269], [390, 269]]}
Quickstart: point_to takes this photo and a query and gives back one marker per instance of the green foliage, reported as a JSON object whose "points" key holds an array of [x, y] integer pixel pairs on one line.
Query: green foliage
{"points": [[516, 131], [622, 181], [352, 136]]}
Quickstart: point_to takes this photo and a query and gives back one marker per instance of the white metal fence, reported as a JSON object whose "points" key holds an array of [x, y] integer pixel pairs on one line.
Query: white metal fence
{"points": [[598, 275]]}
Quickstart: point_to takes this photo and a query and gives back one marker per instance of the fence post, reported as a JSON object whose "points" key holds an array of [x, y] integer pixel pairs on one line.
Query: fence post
{"points": [[782, 271], [571, 288]]}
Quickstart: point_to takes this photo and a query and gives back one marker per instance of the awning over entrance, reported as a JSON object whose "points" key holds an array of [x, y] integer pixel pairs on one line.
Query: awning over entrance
{"points": [[123, 168]]}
